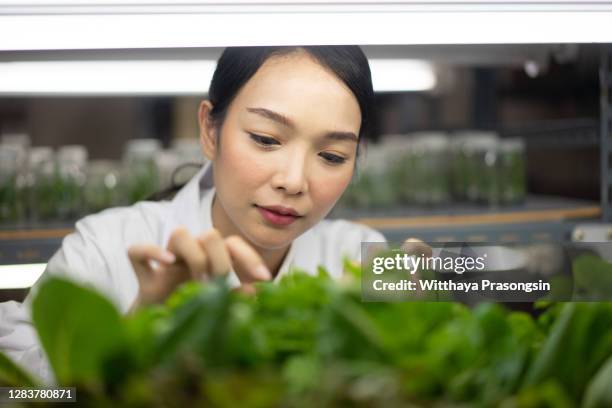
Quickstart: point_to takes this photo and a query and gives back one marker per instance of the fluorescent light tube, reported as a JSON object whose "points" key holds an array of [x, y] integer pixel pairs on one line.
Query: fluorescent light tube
{"points": [[20, 276], [394, 75], [188, 77], [105, 77], [226, 28]]}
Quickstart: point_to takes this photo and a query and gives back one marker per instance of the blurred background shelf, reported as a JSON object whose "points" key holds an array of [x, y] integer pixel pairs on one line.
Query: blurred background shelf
{"points": [[32, 249], [539, 219], [514, 233], [535, 207]]}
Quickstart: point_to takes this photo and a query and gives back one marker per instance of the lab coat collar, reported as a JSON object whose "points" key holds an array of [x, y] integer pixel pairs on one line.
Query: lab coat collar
{"points": [[185, 207]]}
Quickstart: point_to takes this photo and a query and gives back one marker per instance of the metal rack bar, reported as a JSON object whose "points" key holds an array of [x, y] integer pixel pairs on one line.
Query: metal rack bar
{"points": [[522, 233], [605, 76]]}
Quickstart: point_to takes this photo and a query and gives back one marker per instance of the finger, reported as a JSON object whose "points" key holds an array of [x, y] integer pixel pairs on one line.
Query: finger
{"points": [[372, 250], [139, 262], [413, 246], [148, 252], [247, 289], [219, 262], [141, 256], [246, 261], [188, 250]]}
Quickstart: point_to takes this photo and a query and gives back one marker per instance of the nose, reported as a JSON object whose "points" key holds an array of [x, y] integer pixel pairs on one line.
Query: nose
{"points": [[290, 176]]}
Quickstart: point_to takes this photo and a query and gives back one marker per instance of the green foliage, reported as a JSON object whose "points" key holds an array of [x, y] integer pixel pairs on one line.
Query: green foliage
{"points": [[11, 208], [78, 328], [370, 190], [592, 277], [599, 393], [13, 375], [310, 341]]}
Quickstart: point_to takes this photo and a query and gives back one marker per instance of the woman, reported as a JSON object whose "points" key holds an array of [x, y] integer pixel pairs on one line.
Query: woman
{"points": [[281, 130]]}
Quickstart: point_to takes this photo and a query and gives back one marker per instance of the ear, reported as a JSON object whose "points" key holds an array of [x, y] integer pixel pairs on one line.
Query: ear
{"points": [[208, 139]]}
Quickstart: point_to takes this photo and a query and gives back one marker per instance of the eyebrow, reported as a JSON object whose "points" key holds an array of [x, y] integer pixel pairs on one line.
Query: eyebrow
{"points": [[285, 121], [274, 116]]}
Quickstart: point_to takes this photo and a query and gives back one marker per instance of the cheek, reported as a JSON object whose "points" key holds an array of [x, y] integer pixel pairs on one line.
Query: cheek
{"points": [[241, 168], [327, 189]]}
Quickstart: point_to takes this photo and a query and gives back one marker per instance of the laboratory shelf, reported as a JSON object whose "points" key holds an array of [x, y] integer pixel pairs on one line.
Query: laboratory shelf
{"points": [[535, 206], [31, 244], [605, 97], [537, 219]]}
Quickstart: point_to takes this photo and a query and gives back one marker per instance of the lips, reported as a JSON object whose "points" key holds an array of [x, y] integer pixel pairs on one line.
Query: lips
{"points": [[278, 215], [281, 210]]}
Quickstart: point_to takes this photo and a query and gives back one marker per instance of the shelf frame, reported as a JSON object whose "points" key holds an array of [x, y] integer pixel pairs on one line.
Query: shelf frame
{"points": [[113, 24], [605, 76]]}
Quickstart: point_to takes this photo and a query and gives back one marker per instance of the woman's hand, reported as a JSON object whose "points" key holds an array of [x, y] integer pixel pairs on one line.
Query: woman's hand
{"points": [[159, 271], [414, 246]]}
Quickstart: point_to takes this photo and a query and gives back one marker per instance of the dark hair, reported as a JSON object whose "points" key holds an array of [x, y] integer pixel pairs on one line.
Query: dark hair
{"points": [[238, 64]]}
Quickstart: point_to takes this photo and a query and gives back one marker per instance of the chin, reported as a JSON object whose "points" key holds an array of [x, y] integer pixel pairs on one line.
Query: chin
{"points": [[270, 238]]}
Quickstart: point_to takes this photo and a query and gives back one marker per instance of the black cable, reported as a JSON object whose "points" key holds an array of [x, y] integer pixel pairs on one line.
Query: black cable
{"points": [[169, 192]]}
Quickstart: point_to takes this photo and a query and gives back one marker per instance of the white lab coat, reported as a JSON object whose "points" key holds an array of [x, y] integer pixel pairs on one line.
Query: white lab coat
{"points": [[96, 254]]}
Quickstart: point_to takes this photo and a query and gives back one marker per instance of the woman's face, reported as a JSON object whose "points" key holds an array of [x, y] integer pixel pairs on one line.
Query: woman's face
{"points": [[288, 144]]}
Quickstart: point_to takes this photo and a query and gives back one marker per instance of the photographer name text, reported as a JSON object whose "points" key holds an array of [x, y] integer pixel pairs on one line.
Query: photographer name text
{"points": [[426, 285]]}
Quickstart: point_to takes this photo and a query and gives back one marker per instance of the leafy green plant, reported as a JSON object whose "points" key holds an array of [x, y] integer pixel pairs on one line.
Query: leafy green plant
{"points": [[311, 341], [13, 375]]}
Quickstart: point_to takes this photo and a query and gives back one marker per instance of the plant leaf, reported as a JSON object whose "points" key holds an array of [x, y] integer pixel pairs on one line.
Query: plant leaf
{"points": [[13, 375], [78, 329], [599, 391]]}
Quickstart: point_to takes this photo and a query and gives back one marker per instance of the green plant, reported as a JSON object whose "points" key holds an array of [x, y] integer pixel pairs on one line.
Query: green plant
{"points": [[311, 341]]}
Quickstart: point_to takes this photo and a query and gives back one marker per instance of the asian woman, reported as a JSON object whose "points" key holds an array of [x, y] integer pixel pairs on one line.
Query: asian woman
{"points": [[281, 129]]}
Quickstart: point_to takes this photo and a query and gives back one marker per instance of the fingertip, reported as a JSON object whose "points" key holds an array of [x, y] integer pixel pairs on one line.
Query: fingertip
{"points": [[131, 251], [263, 273], [214, 231], [232, 238], [179, 231], [168, 257], [248, 289]]}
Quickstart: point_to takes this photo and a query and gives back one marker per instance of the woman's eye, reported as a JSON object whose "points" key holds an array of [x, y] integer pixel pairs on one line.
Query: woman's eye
{"points": [[264, 140], [332, 158]]}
